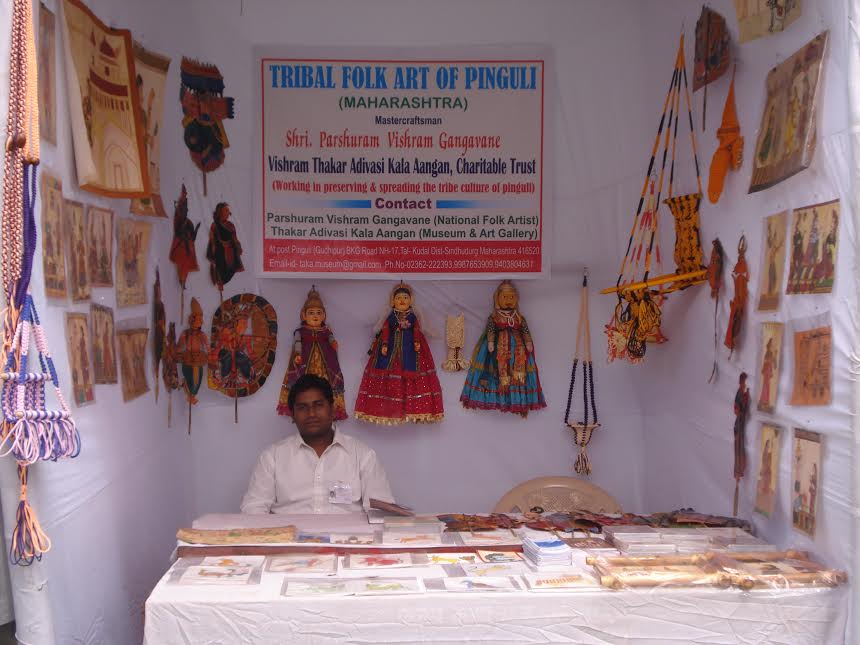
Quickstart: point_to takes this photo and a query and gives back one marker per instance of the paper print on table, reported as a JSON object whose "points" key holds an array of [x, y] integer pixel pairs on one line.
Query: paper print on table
{"points": [[313, 538], [411, 539], [814, 237], [452, 558], [479, 538], [76, 251], [53, 245], [244, 341], [483, 569], [379, 561], [103, 106], [318, 587], [805, 477], [786, 137], [78, 344], [351, 538], [234, 561], [386, 586], [322, 563], [499, 556], [757, 18], [481, 584], [150, 77], [100, 246], [47, 75], [770, 359], [216, 575], [132, 362], [812, 367], [768, 469], [773, 262], [132, 252], [560, 582], [104, 345]]}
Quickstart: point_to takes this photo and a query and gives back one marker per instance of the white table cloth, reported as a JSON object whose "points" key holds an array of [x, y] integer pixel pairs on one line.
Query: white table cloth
{"points": [[258, 614]]}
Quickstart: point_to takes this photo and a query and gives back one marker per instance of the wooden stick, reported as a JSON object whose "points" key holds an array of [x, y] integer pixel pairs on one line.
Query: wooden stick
{"points": [[189, 417], [169, 408], [204, 183], [735, 507], [698, 276], [236, 408]]}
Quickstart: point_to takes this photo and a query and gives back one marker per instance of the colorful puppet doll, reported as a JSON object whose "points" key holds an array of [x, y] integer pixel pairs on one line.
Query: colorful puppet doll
{"points": [[504, 374], [204, 108], [168, 369], [742, 411], [314, 352], [159, 324], [715, 281], [182, 251], [740, 276], [400, 383], [192, 351], [224, 251]]}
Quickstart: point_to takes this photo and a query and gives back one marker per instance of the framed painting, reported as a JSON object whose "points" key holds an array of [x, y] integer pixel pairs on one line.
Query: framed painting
{"points": [[78, 345], [786, 136], [100, 246], [74, 231], [773, 262], [151, 75], [768, 469], [132, 362], [769, 360], [813, 350], [814, 238], [757, 18], [103, 105], [104, 344], [132, 251], [805, 477], [47, 75], [53, 247]]}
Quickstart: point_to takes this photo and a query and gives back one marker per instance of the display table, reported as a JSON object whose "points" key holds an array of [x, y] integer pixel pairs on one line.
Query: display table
{"points": [[213, 615]]}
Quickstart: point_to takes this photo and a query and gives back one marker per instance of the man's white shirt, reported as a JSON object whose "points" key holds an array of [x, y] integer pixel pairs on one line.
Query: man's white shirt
{"points": [[290, 478]]}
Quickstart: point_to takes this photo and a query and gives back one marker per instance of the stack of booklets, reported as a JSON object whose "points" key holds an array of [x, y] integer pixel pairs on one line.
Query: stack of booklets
{"points": [[546, 552]]}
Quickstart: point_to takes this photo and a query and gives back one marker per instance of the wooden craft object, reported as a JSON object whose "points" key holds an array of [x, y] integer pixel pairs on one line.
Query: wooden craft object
{"points": [[271, 535], [192, 351], [455, 338], [715, 281], [737, 311], [182, 251], [224, 251]]}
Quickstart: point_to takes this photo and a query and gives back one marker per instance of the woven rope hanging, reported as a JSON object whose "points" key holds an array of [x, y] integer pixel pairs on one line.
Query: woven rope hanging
{"points": [[583, 430]]}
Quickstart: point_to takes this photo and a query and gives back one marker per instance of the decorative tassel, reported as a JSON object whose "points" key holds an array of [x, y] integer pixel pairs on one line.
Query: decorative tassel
{"points": [[29, 542]]}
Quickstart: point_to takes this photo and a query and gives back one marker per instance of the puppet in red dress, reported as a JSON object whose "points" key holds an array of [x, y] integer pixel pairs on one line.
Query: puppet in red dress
{"points": [[400, 383]]}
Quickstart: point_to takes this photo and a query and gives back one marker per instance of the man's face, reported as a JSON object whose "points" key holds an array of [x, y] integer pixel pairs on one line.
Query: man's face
{"points": [[313, 414]]}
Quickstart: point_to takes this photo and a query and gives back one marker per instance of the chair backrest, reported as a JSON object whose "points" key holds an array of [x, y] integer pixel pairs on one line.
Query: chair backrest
{"points": [[558, 494]]}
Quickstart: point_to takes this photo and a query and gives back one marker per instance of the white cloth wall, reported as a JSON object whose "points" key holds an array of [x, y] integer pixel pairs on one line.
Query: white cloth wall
{"points": [[666, 436]]}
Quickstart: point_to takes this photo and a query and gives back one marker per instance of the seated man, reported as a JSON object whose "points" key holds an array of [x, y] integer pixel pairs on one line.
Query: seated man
{"points": [[318, 470]]}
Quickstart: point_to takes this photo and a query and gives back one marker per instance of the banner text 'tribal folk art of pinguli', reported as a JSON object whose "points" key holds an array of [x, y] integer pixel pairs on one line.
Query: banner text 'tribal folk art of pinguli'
{"points": [[420, 168]]}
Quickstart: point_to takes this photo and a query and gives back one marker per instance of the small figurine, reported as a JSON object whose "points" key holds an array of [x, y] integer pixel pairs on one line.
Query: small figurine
{"points": [[159, 322], [740, 276], [192, 351], [400, 383], [182, 251], [455, 338], [742, 411], [314, 352], [224, 251], [504, 374]]}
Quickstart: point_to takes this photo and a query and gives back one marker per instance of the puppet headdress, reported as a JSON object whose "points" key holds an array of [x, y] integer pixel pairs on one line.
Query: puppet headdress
{"points": [[196, 309], [313, 300]]}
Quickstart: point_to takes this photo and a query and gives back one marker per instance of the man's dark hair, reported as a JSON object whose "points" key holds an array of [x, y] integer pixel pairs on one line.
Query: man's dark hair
{"points": [[309, 382]]}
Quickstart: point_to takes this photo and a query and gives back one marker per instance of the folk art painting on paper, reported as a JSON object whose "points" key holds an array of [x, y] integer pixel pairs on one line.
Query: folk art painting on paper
{"points": [[786, 139], [151, 75], [132, 362], [773, 262], [78, 344], [805, 477], [99, 228], [812, 367], [104, 107], [47, 75], [768, 469], [104, 345], [757, 18], [74, 231], [770, 356], [53, 251], [814, 238], [132, 251]]}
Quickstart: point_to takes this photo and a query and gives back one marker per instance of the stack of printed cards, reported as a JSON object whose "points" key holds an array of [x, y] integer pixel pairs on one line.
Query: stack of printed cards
{"points": [[495, 537], [219, 570], [547, 552]]}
